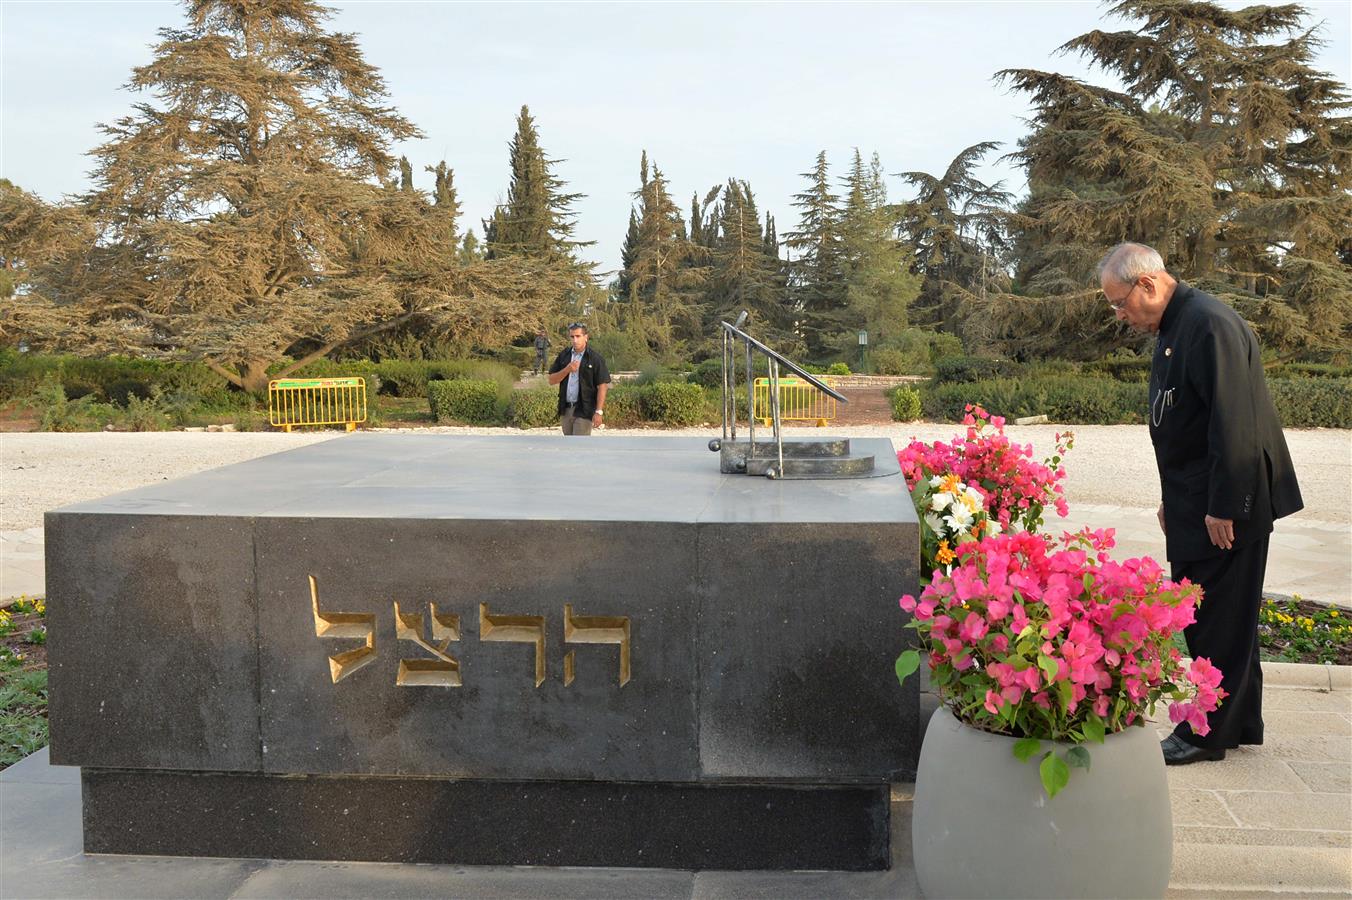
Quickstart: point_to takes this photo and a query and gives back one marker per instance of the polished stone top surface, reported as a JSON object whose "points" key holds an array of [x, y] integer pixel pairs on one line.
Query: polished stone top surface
{"points": [[530, 477]]}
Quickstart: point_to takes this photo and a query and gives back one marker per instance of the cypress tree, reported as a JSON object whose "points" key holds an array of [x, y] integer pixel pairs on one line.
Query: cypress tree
{"points": [[875, 265], [817, 280], [445, 199], [662, 304], [537, 220]]}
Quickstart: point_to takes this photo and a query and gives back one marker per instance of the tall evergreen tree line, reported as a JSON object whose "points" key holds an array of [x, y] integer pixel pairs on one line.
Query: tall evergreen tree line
{"points": [[255, 230], [845, 268]]}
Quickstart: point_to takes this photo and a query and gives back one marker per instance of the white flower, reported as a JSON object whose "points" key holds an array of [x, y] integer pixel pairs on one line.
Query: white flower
{"points": [[992, 527], [934, 522], [941, 501], [959, 519]]}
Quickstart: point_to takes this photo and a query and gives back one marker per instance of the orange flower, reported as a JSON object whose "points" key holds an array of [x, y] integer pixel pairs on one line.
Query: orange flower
{"points": [[944, 556]]}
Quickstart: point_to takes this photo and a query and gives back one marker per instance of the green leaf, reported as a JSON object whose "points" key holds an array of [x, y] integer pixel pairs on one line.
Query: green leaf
{"points": [[1093, 729], [1078, 757], [1025, 748], [907, 663], [1064, 693], [1048, 665], [1055, 773]]}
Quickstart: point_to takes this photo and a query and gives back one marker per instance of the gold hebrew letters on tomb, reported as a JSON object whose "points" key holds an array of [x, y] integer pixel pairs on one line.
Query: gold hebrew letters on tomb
{"points": [[521, 629], [350, 626], [444, 671], [595, 630]]}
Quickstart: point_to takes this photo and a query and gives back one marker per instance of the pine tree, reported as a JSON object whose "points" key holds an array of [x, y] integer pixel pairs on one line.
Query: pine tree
{"points": [[954, 230], [446, 200], [244, 214], [817, 280], [743, 276], [662, 302], [875, 265], [1226, 150], [405, 175], [537, 220]]}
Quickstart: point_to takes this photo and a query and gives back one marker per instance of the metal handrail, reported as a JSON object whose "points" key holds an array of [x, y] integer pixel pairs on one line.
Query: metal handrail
{"points": [[731, 334]]}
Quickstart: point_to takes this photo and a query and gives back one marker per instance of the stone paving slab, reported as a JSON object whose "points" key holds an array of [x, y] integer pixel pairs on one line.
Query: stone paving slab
{"points": [[1218, 870], [1274, 809], [1324, 777], [1259, 837], [1241, 771]]}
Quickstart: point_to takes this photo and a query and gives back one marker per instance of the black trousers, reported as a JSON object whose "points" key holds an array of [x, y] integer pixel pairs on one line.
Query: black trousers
{"points": [[1226, 632]]}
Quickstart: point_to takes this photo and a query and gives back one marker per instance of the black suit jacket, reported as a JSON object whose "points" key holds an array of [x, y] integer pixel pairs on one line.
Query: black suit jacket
{"points": [[592, 372], [1218, 441]]}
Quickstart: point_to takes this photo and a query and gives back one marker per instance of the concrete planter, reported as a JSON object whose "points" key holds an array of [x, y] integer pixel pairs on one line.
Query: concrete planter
{"points": [[983, 827]]}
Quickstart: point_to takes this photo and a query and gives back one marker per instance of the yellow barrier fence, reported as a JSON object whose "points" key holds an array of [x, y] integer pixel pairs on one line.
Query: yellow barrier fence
{"points": [[316, 401], [798, 401]]}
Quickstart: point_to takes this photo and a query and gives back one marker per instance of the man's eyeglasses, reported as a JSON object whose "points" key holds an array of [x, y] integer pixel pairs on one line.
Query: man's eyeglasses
{"points": [[1117, 305]]}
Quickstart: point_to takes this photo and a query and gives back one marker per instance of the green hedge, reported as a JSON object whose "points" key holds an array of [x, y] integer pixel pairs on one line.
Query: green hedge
{"points": [[1313, 402], [969, 369], [409, 378], [464, 400], [1308, 370], [536, 407], [624, 407], [905, 403], [1072, 399], [672, 402], [1122, 368]]}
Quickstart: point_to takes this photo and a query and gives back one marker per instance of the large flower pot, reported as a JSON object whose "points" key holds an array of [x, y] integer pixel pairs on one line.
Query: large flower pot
{"points": [[983, 827]]}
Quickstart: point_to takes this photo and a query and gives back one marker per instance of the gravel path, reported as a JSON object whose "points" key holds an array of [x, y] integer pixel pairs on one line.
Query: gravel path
{"points": [[1110, 465]]}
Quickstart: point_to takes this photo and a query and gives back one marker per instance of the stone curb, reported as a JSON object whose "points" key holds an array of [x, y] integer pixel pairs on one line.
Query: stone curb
{"points": [[1326, 677]]}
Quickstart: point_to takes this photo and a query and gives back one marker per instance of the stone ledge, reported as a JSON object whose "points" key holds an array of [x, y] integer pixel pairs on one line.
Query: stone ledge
{"points": [[1307, 675]]}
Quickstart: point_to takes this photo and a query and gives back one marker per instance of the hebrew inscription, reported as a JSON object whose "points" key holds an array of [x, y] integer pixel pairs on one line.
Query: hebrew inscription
{"points": [[444, 670], [358, 626], [433, 633], [595, 630], [522, 629]]}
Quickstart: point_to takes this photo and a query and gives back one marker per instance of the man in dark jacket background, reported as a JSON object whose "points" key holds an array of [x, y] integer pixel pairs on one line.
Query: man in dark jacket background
{"points": [[1225, 477], [583, 380]]}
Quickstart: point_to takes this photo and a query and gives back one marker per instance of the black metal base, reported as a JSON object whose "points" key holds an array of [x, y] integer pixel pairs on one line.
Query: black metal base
{"points": [[540, 823]]}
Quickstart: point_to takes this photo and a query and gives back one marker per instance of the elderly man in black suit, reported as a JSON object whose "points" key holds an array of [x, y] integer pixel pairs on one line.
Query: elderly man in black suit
{"points": [[1225, 476]]}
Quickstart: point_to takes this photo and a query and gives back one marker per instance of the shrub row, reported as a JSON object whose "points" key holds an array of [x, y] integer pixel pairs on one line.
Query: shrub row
{"points": [[410, 378], [1081, 399], [669, 402], [1072, 399], [1313, 402], [464, 400]]}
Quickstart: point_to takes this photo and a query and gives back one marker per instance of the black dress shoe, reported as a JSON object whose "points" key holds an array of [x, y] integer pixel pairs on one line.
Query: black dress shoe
{"points": [[1178, 752]]}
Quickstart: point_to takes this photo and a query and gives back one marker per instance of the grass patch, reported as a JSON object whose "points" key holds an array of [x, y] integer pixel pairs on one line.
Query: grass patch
{"points": [[23, 679]]}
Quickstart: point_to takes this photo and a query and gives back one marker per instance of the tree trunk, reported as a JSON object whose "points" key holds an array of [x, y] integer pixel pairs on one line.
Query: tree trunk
{"points": [[254, 376]]}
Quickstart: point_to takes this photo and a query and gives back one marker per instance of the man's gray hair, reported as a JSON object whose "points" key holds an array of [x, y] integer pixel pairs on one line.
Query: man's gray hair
{"points": [[1127, 261]]}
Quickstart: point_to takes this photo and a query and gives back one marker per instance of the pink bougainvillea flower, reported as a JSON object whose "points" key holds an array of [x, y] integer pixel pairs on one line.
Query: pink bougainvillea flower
{"points": [[1035, 637]]}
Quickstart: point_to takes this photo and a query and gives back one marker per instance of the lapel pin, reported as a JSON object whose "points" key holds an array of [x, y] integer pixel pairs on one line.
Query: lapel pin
{"points": [[1168, 351]]}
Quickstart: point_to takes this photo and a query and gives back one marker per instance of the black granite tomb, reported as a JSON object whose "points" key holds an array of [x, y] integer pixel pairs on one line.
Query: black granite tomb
{"points": [[506, 650]]}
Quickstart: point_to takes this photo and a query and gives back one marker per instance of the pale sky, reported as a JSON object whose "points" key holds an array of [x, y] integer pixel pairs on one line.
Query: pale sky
{"points": [[711, 90]]}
